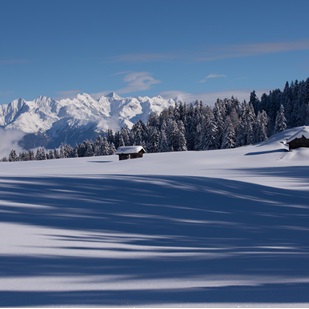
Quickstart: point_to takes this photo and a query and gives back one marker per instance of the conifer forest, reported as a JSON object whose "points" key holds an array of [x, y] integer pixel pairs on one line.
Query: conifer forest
{"points": [[229, 123]]}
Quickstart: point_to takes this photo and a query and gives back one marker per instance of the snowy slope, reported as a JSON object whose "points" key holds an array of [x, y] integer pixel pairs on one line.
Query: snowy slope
{"points": [[76, 116], [208, 228]]}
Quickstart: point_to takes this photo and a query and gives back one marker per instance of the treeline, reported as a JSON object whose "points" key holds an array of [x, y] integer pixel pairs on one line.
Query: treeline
{"points": [[183, 127], [228, 124], [89, 148], [295, 100]]}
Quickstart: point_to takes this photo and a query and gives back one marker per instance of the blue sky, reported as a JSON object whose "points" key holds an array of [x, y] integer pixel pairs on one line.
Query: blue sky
{"points": [[195, 49]]}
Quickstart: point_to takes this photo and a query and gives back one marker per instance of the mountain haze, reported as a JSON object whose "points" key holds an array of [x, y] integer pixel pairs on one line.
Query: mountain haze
{"points": [[49, 122]]}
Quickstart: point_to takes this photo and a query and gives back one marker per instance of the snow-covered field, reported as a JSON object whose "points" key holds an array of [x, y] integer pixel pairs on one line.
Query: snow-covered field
{"points": [[216, 228]]}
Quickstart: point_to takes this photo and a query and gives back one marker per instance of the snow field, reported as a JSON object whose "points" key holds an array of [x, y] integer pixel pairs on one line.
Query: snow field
{"points": [[216, 228]]}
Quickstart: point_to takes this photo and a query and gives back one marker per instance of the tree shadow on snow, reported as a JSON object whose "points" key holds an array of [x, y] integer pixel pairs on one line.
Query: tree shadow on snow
{"points": [[222, 231], [100, 162], [257, 153]]}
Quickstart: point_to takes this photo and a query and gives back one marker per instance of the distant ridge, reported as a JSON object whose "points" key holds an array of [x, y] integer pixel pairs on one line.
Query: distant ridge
{"points": [[49, 122]]}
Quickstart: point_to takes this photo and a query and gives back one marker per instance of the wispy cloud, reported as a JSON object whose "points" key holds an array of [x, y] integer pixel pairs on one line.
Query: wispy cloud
{"points": [[98, 95], [145, 57], [254, 49], [13, 61], [9, 140], [210, 98], [216, 52], [137, 81], [68, 94], [134, 82], [5, 94], [178, 95], [212, 76], [121, 73]]}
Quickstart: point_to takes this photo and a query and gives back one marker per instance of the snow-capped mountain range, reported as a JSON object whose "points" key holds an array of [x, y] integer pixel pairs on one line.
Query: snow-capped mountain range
{"points": [[49, 122]]}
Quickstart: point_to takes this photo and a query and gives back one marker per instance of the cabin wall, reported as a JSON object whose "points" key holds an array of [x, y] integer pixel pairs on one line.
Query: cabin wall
{"points": [[299, 142], [136, 155], [131, 155], [124, 157]]}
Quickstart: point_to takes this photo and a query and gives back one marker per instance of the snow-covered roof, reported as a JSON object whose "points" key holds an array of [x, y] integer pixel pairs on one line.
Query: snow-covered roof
{"points": [[302, 132], [129, 149]]}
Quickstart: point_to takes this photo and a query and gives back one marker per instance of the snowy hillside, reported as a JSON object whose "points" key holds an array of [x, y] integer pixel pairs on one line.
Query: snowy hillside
{"points": [[73, 120], [208, 228]]}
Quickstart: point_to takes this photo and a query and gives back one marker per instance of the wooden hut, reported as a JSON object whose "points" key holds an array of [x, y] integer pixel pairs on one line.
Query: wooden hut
{"points": [[300, 139], [130, 152]]}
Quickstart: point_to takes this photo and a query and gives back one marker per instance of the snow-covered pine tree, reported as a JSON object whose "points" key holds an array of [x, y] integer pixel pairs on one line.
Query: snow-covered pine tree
{"points": [[125, 136], [245, 130], [208, 137], [75, 151], [229, 136], [56, 154], [66, 151], [40, 154], [51, 155], [183, 111], [31, 155], [112, 149], [110, 136], [199, 119], [98, 145], [306, 101], [163, 143], [153, 120], [176, 114], [254, 101], [153, 140], [182, 143], [250, 124], [105, 148], [23, 156], [307, 115], [261, 126], [140, 133], [89, 148], [190, 126], [119, 139], [61, 152], [241, 136], [13, 156], [172, 134], [280, 120], [219, 115]]}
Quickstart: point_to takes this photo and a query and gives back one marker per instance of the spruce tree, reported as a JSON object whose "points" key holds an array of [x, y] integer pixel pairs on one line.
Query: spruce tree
{"points": [[12, 156], [182, 143], [172, 133], [51, 155], [105, 147], [280, 120], [40, 154], [241, 136], [219, 115], [229, 136], [208, 139], [89, 148], [112, 149], [153, 140], [125, 136], [261, 127]]}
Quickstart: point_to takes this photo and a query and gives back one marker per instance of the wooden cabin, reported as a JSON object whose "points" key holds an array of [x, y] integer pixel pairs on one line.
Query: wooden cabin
{"points": [[300, 139], [130, 152]]}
